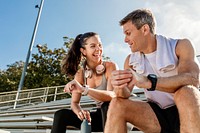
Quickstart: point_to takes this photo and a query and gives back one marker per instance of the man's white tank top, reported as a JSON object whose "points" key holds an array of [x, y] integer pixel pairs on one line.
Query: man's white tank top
{"points": [[163, 99], [163, 62]]}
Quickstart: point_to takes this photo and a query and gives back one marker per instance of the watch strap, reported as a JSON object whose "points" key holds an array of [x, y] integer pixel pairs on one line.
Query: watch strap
{"points": [[86, 89], [153, 79]]}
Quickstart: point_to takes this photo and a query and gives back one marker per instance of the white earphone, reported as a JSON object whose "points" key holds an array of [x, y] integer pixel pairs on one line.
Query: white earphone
{"points": [[88, 72]]}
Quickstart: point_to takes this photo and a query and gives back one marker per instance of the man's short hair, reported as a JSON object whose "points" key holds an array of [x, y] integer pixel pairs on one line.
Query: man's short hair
{"points": [[139, 18]]}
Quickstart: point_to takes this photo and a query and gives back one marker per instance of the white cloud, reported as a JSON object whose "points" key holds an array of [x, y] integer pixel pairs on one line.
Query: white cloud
{"points": [[117, 52], [178, 19]]}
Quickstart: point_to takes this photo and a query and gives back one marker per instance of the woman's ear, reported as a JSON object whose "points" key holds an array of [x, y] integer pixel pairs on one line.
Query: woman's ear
{"points": [[83, 51]]}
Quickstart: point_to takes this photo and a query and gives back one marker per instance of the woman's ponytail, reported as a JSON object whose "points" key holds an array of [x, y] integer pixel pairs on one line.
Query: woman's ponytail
{"points": [[71, 61]]}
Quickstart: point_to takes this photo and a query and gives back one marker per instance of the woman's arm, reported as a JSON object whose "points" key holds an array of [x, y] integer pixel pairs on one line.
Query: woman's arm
{"points": [[76, 96], [108, 94]]}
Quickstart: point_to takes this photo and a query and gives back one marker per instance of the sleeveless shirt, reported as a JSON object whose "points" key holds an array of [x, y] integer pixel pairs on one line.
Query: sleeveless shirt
{"points": [[163, 62], [102, 86]]}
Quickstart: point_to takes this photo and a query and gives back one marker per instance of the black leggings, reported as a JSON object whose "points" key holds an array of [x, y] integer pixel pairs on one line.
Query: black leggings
{"points": [[66, 117]]}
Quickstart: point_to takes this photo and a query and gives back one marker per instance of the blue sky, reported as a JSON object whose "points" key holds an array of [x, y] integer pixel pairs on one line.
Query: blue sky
{"points": [[176, 19]]}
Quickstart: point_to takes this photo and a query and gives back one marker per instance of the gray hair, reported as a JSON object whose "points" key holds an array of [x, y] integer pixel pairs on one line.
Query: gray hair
{"points": [[139, 18]]}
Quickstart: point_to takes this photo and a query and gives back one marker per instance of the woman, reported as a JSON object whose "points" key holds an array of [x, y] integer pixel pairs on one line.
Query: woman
{"points": [[92, 79]]}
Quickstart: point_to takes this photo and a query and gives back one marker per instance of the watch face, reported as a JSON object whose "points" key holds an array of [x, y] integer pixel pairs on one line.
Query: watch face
{"points": [[153, 75]]}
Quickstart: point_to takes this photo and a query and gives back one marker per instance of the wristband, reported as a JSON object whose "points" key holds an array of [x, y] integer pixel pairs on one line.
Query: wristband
{"points": [[86, 89]]}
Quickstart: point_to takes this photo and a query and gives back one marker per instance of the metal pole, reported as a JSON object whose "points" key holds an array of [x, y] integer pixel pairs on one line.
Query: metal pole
{"points": [[29, 52]]}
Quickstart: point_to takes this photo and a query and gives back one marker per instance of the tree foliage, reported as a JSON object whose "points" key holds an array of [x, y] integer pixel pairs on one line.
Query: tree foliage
{"points": [[43, 69], [9, 79]]}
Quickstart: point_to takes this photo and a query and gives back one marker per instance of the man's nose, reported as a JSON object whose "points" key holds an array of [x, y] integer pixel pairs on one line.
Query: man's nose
{"points": [[126, 40]]}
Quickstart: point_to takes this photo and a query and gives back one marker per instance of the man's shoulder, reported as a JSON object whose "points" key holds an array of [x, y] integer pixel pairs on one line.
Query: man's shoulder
{"points": [[162, 37], [182, 43]]}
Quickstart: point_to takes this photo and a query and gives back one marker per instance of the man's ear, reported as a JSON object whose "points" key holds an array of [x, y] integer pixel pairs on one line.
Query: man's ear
{"points": [[83, 51], [145, 29]]}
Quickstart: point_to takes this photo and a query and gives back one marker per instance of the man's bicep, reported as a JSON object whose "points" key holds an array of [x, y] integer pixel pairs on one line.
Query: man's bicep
{"points": [[186, 56]]}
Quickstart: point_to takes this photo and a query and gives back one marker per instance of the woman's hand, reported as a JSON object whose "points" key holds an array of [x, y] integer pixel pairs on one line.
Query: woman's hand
{"points": [[73, 86], [84, 114]]}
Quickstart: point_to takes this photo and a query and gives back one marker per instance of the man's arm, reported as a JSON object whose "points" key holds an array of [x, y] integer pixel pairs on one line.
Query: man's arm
{"points": [[120, 81], [188, 70]]}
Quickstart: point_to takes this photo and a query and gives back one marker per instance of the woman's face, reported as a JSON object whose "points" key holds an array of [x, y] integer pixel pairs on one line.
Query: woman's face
{"points": [[93, 49]]}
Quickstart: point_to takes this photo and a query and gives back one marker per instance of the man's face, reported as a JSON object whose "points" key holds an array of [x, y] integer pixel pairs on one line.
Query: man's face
{"points": [[133, 36]]}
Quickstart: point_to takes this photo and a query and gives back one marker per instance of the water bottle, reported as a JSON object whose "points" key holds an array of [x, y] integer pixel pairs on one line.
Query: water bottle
{"points": [[85, 126]]}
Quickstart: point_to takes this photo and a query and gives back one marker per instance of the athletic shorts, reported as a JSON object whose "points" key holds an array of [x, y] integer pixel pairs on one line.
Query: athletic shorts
{"points": [[168, 118]]}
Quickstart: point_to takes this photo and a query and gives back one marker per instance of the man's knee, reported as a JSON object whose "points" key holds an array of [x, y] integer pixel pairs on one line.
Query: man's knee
{"points": [[186, 95], [117, 103], [116, 106]]}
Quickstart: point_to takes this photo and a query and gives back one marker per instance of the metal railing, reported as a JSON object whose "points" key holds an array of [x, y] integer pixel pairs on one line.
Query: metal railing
{"points": [[32, 96]]}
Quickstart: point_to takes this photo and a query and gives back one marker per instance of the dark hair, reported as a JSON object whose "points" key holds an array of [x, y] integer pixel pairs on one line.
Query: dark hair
{"points": [[139, 18], [70, 63]]}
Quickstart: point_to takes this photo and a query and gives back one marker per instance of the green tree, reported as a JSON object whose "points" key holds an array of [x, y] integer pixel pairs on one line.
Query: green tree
{"points": [[9, 79], [43, 69]]}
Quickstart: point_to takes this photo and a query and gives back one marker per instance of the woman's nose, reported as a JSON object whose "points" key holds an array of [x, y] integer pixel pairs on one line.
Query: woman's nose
{"points": [[98, 48]]}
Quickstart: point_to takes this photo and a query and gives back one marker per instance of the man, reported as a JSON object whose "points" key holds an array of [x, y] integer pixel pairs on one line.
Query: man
{"points": [[168, 71]]}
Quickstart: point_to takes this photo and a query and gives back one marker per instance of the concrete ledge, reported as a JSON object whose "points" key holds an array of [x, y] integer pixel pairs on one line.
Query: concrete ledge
{"points": [[3, 131], [27, 119]]}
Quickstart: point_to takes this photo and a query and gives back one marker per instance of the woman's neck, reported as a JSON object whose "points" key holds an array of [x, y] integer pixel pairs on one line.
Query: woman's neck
{"points": [[92, 65]]}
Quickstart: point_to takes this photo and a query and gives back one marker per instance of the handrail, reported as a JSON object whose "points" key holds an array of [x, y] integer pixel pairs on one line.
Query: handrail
{"points": [[32, 96], [29, 89], [36, 96]]}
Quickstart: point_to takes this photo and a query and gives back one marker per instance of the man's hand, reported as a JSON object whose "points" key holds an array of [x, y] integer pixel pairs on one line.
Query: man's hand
{"points": [[121, 78], [139, 80], [120, 82]]}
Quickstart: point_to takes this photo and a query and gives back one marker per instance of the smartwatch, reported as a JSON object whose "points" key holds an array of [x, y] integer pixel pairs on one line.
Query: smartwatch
{"points": [[153, 79]]}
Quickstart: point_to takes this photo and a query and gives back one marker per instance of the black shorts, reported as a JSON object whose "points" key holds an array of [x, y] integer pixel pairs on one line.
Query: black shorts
{"points": [[168, 118]]}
